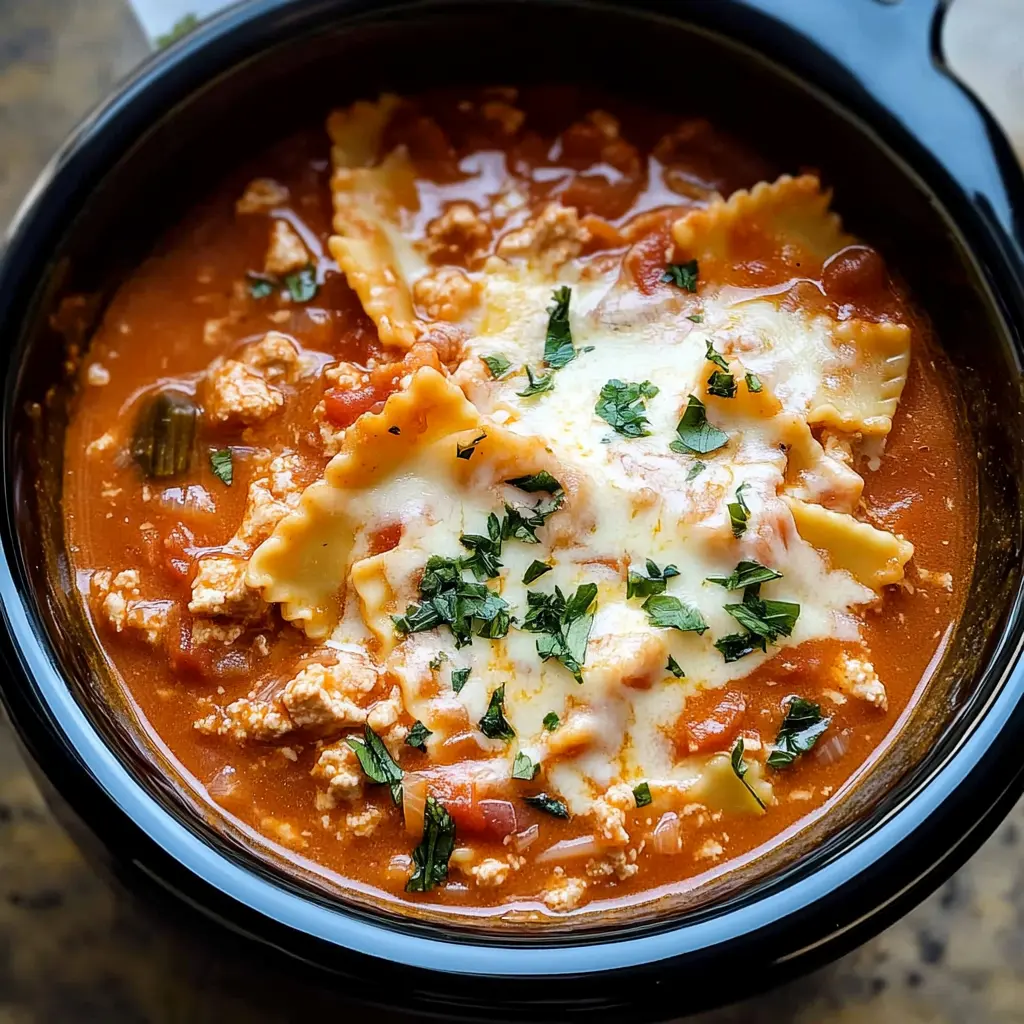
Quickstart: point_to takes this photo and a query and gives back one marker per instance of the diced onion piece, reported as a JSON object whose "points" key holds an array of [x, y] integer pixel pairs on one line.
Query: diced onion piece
{"points": [[414, 802], [525, 839], [399, 867], [668, 835], [572, 849], [833, 749]]}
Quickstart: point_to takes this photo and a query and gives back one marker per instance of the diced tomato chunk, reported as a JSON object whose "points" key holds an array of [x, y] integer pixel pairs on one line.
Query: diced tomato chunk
{"points": [[343, 406], [499, 818], [489, 818], [385, 538], [716, 730]]}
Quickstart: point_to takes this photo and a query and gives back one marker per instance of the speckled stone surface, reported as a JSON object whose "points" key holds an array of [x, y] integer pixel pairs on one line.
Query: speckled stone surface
{"points": [[73, 949]]}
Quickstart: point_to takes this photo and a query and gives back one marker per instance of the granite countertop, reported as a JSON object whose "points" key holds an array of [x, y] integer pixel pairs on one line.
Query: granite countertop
{"points": [[73, 950]]}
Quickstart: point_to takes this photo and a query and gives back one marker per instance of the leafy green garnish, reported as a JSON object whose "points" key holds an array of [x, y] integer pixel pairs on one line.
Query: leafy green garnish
{"points": [[802, 727], [558, 347], [696, 435], [498, 365], [674, 667], [377, 762], [638, 585], [417, 736], [485, 561], [494, 725], [465, 451], [548, 804], [438, 660], [522, 523], [669, 612], [446, 599], [435, 850], [682, 275], [747, 573], [738, 512], [542, 481], [695, 470], [642, 794], [302, 284], [768, 619], [564, 624], [621, 405], [222, 466], [260, 285], [697, 318], [753, 383], [460, 676], [714, 357], [524, 768], [722, 385], [739, 645], [551, 721], [740, 767], [537, 385], [535, 570]]}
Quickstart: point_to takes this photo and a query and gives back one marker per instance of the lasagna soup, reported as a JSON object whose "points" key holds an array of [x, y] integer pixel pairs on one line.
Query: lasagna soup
{"points": [[517, 502]]}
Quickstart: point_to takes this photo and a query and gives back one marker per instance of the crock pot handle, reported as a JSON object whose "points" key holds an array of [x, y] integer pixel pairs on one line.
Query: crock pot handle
{"points": [[893, 51]]}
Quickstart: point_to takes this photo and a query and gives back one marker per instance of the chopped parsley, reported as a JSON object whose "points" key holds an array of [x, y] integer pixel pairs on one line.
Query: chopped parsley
{"points": [[485, 562], [522, 523], [537, 385], [564, 625], [395, 430], [800, 730], [642, 794], [638, 585], [222, 466], [524, 768], [558, 347], [621, 405], [674, 667], [549, 805], [695, 470], [302, 284], [435, 850], [377, 762], [738, 512], [460, 677], [669, 612], [446, 599], [697, 318], [465, 451], [260, 285], [494, 725], [740, 768], [551, 722], [535, 571], [747, 573], [739, 645], [714, 357], [696, 435], [768, 619], [498, 365], [418, 736], [753, 383], [438, 660], [722, 385], [542, 481], [682, 275]]}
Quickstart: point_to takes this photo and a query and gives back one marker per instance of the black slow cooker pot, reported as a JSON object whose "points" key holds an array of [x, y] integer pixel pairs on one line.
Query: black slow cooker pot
{"points": [[855, 88]]}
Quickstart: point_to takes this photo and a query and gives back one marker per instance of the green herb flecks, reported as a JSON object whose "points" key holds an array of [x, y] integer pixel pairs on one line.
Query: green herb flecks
{"points": [[722, 385], [738, 512], [564, 625], [695, 470], [260, 285], [485, 561], [740, 768], [417, 736], [494, 725], [668, 612], [558, 347], [498, 365], [549, 805], [674, 667], [537, 385], [551, 721], [377, 762], [460, 676], [696, 435], [534, 572], [222, 465], [524, 767], [542, 481], [739, 645], [747, 573], [642, 794], [465, 451], [522, 522], [435, 850], [768, 619], [802, 727], [753, 383], [682, 275], [302, 284], [638, 585], [621, 405]]}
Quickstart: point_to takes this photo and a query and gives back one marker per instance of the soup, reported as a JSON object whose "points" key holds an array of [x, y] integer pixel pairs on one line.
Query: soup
{"points": [[514, 501]]}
